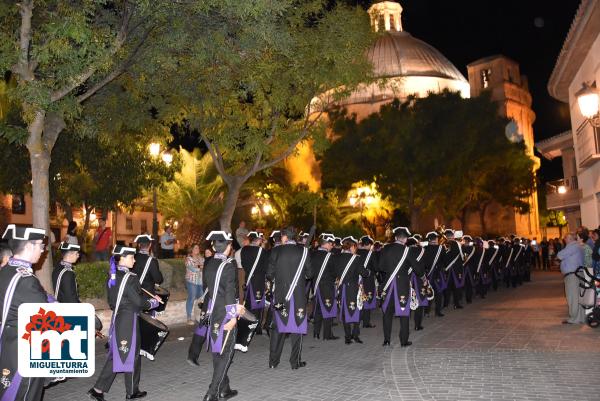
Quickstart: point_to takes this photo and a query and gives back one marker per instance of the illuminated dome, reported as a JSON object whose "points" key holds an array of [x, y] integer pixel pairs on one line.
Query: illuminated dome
{"points": [[408, 65]]}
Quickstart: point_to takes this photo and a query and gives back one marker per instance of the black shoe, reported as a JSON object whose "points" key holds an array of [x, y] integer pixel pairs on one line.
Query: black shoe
{"points": [[439, 314], [273, 366], [300, 364], [332, 338], [458, 307], [54, 382], [137, 394], [406, 344], [209, 397], [96, 396], [193, 362], [386, 343], [348, 341], [418, 328], [357, 340], [258, 332], [368, 326], [225, 395], [316, 335]]}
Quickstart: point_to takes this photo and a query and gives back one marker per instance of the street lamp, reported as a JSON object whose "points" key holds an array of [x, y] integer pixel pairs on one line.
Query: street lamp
{"points": [[588, 101], [562, 189]]}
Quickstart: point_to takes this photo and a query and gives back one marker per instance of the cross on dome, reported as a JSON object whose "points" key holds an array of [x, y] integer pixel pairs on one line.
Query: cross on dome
{"points": [[386, 16]]}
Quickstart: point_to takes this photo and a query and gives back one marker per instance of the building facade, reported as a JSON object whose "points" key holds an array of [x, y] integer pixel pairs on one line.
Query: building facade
{"points": [[578, 64]]}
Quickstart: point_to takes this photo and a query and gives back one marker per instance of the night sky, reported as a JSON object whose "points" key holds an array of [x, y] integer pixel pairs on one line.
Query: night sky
{"points": [[531, 32]]}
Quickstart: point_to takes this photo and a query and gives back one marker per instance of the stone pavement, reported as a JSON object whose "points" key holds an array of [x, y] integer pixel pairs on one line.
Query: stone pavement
{"points": [[510, 346]]}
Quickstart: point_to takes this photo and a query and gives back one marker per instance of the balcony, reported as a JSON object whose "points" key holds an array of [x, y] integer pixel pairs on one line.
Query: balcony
{"points": [[563, 194], [588, 144]]}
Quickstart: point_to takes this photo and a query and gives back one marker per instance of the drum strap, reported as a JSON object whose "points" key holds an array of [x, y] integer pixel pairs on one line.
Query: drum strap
{"points": [[452, 263], [59, 279], [368, 258], [346, 270], [437, 256], [494, 256], [322, 270], [470, 255], [418, 260], [254, 266], [143, 276], [480, 260], [462, 255], [297, 275], [213, 296], [519, 252], [120, 296], [509, 256], [396, 270]]}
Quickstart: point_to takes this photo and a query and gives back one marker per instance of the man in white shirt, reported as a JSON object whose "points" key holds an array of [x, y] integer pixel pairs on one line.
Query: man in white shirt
{"points": [[167, 244]]}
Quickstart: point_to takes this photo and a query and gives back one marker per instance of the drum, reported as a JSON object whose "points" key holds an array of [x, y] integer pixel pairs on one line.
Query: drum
{"points": [[246, 327], [153, 333], [164, 295]]}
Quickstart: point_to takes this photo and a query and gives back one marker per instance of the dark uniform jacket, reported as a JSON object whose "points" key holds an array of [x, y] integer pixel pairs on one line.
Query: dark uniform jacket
{"points": [[283, 264], [454, 256], [349, 285], [371, 265], [28, 289], [153, 275], [224, 298], [327, 282], [126, 331], [389, 258], [67, 292], [248, 256]]}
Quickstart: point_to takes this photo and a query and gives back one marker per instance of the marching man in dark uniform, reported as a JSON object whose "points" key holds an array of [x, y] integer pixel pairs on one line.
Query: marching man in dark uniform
{"points": [[219, 322], [421, 293], [63, 276], [146, 266], [433, 263], [367, 254], [19, 285], [349, 268], [289, 267], [469, 267], [453, 260], [395, 261], [126, 300], [324, 287], [255, 262]]}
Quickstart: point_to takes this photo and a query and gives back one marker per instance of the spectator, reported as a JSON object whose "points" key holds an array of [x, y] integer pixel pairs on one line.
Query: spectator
{"points": [[71, 236], [5, 253], [194, 263], [167, 244], [535, 251], [102, 241], [241, 233], [571, 257], [596, 251], [545, 247], [582, 239], [208, 253]]}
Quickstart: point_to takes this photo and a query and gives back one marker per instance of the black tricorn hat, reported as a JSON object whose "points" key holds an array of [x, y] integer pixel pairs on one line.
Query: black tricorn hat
{"points": [[143, 239], [67, 247], [219, 236], [24, 233], [123, 250]]}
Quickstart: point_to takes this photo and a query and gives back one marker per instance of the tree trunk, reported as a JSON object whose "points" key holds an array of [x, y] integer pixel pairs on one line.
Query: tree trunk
{"points": [[482, 211], [86, 224], [413, 211], [463, 219], [39, 156], [234, 186]]}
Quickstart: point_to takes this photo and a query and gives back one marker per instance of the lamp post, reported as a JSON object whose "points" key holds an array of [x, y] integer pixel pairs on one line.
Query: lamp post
{"points": [[588, 100], [167, 158]]}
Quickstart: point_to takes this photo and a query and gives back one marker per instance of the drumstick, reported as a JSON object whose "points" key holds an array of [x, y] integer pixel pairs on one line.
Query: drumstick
{"points": [[225, 342], [152, 295]]}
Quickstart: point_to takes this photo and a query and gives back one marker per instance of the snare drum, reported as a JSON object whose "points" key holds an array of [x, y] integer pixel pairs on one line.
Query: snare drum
{"points": [[164, 296], [246, 327], [153, 333]]}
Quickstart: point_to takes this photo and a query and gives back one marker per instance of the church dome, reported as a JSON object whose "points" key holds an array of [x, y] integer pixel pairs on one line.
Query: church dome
{"points": [[399, 54]]}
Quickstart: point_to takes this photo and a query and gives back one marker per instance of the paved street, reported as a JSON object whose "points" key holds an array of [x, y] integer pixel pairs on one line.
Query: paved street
{"points": [[510, 346]]}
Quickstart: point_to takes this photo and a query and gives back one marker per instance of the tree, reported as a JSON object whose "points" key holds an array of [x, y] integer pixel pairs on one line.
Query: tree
{"points": [[61, 53], [441, 153], [250, 78], [194, 198]]}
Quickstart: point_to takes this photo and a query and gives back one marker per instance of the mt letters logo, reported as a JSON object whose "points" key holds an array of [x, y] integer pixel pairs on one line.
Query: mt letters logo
{"points": [[56, 340]]}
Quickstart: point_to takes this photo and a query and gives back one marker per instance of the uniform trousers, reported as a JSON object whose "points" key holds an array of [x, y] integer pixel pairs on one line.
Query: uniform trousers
{"points": [[418, 316], [221, 363], [365, 317], [276, 346], [132, 379], [468, 290], [351, 330], [388, 318], [320, 321], [454, 291]]}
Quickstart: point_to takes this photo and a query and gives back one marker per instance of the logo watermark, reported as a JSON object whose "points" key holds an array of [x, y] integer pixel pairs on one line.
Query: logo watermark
{"points": [[56, 340]]}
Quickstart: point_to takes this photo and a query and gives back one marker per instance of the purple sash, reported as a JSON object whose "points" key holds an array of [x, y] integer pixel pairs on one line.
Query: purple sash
{"points": [[11, 393], [291, 326], [327, 314], [217, 345], [349, 317], [458, 283], [423, 301], [438, 279], [254, 304], [398, 309], [372, 303], [118, 364]]}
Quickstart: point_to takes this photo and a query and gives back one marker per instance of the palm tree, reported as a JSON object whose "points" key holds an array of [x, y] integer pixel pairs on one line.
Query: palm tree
{"points": [[194, 198]]}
